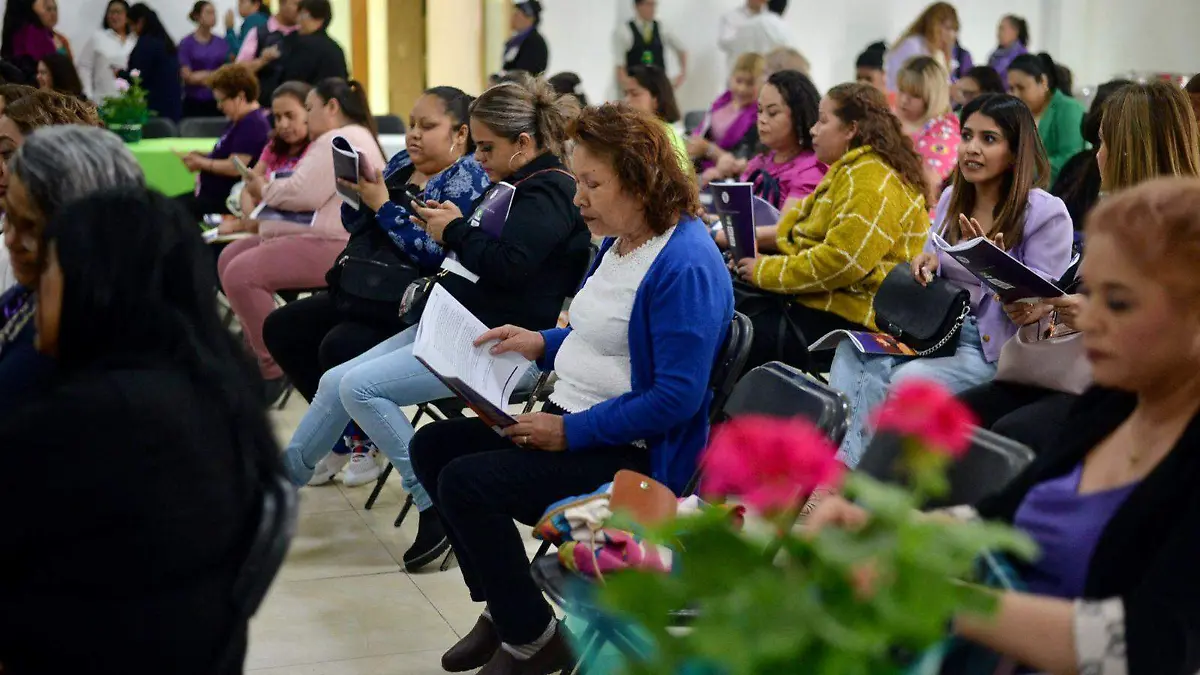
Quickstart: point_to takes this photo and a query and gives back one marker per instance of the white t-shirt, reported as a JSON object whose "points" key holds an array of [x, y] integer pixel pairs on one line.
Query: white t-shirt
{"points": [[104, 52], [593, 362], [743, 32]]}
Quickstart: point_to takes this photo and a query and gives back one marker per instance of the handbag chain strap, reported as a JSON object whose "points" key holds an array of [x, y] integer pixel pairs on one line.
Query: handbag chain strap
{"points": [[962, 316]]}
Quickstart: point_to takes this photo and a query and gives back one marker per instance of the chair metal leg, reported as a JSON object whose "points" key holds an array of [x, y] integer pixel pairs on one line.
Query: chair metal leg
{"points": [[378, 487], [446, 561], [287, 395], [592, 644], [408, 504], [542, 550]]}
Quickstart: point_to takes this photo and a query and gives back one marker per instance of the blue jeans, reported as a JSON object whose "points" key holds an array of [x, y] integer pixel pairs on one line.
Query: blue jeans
{"points": [[370, 388], [865, 379]]}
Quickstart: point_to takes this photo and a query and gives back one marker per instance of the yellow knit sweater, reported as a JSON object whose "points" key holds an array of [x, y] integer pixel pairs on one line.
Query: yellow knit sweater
{"points": [[843, 239]]}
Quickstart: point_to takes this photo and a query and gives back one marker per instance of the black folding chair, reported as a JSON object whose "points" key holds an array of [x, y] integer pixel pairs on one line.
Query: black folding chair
{"points": [[693, 119], [989, 464], [202, 127], [389, 124], [160, 127], [273, 534]]}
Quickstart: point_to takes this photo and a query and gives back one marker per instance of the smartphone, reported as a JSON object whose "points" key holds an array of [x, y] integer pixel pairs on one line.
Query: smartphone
{"points": [[241, 168], [412, 199]]}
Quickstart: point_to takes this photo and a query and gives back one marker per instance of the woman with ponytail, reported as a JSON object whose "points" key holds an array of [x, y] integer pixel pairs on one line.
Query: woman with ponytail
{"points": [[280, 254], [1034, 79], [520, 277]]}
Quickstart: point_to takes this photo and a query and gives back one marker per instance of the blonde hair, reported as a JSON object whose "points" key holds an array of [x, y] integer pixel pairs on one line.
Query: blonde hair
{"points": [[528, 105], [926, 79], [787, 58], [750, 63], [927, 24], [1148, 130]]}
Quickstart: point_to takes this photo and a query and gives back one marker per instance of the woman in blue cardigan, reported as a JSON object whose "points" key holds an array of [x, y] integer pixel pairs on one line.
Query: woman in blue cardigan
{"points": [[632, 392]]}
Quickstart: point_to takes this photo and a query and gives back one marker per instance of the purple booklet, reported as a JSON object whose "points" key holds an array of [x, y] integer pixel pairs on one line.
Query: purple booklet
{"points": [[492, 213], [999, 271], [865, 342], [733, 203]]}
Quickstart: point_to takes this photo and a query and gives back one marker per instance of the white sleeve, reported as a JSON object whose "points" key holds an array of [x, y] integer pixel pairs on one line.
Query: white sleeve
{"points": [[1100, 637], [622, 43], [671, 40], [730, 23], [86, 64]]}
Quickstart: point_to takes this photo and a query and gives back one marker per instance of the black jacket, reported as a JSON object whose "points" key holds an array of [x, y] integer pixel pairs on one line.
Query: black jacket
{"points": [[1149, 553], [158, 65], [311, 58], [133, 547], [533, 56], [539, 259]]}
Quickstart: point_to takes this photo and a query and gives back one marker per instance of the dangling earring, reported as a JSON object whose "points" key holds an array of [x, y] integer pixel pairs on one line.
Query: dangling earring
{"points": [[453, 144]]}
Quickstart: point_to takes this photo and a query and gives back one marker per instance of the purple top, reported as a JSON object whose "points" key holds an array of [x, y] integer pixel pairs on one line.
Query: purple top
{"points": [[202, 56], [1003, 57], [1066, 526], [247, 136], [1045, 248], [745, 121], [913, 45], [797, 178], [33, 40]]}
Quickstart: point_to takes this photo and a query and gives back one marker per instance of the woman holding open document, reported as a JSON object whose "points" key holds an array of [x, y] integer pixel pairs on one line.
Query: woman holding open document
{"points": [[632, 392], [996, 194], [523, 275]]}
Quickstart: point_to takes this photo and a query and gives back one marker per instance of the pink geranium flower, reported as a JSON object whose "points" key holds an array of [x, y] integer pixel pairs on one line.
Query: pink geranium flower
{"points": [[772, 464], [122, 85], [928, 412], [135, 73]]}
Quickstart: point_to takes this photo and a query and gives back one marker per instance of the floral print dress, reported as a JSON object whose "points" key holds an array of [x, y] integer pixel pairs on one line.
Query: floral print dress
{"points": [[937, 144]]}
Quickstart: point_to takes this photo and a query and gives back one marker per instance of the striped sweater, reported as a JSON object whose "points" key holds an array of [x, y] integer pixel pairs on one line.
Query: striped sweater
{"points": [[840, 242]]}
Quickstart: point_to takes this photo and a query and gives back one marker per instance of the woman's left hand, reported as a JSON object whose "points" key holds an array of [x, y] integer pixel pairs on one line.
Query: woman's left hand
{"points": [[193, 161], [1067, 309], [437, 217], [539, 431], [745, 269]]}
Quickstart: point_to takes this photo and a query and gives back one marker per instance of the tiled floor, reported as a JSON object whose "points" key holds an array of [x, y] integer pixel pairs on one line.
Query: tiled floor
{"points": [[342, 605]]}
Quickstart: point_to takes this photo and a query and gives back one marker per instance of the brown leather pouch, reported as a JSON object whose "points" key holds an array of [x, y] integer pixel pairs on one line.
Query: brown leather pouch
{"points": [[642, 498]]}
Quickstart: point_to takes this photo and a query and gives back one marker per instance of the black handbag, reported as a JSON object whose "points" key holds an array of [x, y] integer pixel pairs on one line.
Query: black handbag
{"points": [[926, 318], [753, 301]]}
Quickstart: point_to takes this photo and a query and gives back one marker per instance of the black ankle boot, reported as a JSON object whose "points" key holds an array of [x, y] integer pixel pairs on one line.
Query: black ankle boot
{"points": [[430, 544]]}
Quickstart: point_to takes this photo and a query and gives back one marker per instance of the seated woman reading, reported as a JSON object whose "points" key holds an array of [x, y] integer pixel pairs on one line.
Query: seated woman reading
{"points": [[1113, 505], [633, 388], [826, 258], [997, 193], [788, 169]]}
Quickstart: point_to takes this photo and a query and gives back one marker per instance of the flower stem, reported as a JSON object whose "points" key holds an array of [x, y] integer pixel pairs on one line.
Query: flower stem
{"points": [[788, 521]]}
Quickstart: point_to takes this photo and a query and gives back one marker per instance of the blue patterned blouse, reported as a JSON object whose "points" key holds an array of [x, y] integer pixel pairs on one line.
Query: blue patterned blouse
{"points": [[461, 183]]}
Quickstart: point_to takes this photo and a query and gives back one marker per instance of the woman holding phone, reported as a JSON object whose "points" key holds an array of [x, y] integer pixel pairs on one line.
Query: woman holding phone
{"points": [[236, 91], [288, 144]]}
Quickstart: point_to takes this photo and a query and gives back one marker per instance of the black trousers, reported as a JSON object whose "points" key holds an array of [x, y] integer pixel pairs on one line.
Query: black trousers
{"points": [[309, 336], [1032, 415], [198, 208], [480, 483], [776, 340]]}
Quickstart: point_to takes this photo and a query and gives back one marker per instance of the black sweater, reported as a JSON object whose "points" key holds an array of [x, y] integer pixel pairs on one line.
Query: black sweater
{"points": [[1149, 553], [533, 56], [311, 58], [539, 259], [122, 560]]}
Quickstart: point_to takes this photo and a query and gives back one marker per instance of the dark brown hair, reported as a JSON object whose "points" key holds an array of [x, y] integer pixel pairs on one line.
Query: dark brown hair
{"points": [[1030, 169], [866, 106], [1157, 223], [1193, 90], [232, 79], [299, 91], [352, 98], [48, 108], [648, 166], [927, 24], [654, 80]]}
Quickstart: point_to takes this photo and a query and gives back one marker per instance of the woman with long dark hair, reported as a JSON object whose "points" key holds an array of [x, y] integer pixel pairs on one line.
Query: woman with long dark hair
{"points": [[107, 53], [1012, 37], [28, 34], [155, 59], [56, 73], [998, 193], [1078, 182], [200, 55], [167, 444], [1035, 80], [648, 90]]}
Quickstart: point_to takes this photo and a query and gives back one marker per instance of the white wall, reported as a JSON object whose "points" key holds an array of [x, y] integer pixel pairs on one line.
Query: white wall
{"points": [[1096, 38]]}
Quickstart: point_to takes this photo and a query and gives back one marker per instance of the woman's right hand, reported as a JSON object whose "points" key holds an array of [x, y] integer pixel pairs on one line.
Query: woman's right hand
{"points": [[1026, 313], [835, 511], [697, 147], [924, 267], [527, 343]]}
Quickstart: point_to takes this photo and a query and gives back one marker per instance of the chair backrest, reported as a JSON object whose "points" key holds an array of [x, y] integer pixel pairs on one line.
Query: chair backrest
{"points": [[202, 127], [159, 127], [989, 464], [693, 119], [729, 365], [779, 390], [765, 212], [389, 124]]}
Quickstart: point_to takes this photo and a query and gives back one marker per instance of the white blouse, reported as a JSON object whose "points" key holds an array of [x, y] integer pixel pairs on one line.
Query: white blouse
{"points": [[593, 362], [104, 52]]}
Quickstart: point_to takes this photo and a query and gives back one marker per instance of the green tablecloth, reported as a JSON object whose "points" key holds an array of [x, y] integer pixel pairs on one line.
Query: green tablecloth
{"points": [[164, 171]]}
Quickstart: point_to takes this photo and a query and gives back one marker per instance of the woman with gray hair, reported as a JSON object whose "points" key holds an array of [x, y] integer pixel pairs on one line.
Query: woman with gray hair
{"points": [[47, 170], [517, 271]]}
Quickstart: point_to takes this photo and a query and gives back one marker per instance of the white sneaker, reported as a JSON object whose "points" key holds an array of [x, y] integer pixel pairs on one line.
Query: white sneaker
{"points": [[328, 467], [363, 469]]}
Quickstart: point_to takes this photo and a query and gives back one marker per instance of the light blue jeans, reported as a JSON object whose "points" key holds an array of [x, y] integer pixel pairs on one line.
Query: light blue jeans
{"points": [[371, 389], [865, 379]]}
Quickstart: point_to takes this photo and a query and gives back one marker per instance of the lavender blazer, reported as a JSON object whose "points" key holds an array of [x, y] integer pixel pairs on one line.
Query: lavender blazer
{"points": [[1045, 248], [1003, 57], [913, 45]]}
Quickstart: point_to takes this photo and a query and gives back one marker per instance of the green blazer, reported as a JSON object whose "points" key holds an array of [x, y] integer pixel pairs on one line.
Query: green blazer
{"points": [[1060, 131]]}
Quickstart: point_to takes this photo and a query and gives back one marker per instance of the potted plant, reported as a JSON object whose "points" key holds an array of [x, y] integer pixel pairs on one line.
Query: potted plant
{"points": [[127, 112], [867, 600]]}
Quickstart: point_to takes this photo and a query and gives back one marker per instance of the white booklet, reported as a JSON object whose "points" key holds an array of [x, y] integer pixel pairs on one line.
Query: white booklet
{"points": [[445, 345]]}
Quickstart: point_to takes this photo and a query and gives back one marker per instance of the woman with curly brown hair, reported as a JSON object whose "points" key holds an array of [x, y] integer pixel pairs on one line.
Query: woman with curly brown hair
{"points": [[632, 392], [823, 263]]}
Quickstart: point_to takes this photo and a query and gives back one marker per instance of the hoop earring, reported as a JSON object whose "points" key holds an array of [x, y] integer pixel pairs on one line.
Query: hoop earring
{"points": [[515, 155], [453, 144]]}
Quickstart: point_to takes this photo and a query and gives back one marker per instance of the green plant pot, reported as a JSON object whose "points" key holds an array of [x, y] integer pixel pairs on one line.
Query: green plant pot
{"points": [[130, 133]]}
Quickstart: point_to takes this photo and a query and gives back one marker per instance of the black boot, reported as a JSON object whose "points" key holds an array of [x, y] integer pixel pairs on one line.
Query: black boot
{"points": [[430, 544]]}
